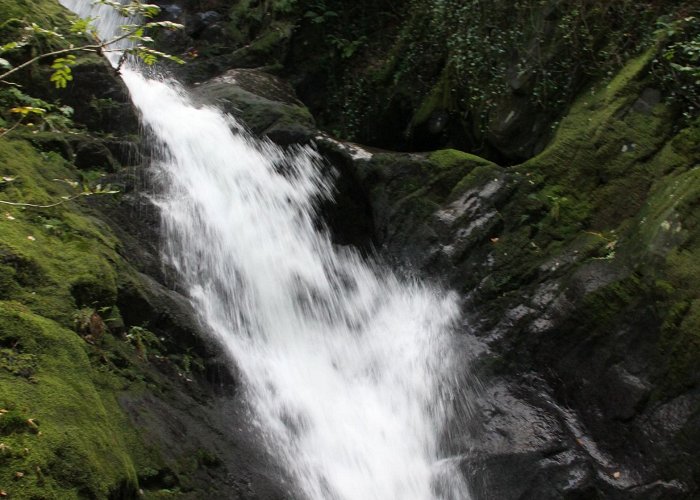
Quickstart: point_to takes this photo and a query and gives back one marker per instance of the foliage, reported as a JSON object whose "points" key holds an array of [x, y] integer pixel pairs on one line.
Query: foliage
{"points": [[62, 70], [136, 33], [388, 70], [143, 341], [134, 39], [83, 190], [35, 113], [677, 66]]}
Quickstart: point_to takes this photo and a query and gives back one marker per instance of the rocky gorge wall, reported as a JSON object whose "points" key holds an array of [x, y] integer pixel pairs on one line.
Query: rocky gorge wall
{"points": [[108, 386], [575, 250]]}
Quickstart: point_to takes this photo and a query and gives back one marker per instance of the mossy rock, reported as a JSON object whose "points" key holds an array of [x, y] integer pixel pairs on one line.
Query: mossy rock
{"points": [[265, 104], [69, 437]]}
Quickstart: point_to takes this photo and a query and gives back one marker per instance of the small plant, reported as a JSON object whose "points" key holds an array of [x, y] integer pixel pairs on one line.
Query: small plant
{"points": [[143, 341], [319, 13], [86, 190], [65, 58], [35, 113], [677, 66], [89, 325]]}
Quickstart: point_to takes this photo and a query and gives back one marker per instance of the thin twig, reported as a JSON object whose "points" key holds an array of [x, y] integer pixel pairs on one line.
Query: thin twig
{"points": [[83, 48], [32, 205], [7, 131]]}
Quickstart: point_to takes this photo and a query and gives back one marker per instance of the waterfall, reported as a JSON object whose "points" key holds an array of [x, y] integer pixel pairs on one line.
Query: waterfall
{"points": [[348, 370]]}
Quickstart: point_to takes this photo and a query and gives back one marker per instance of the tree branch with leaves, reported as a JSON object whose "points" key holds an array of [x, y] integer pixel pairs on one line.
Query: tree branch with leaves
{"points": [[137, 34], [133, 40]]}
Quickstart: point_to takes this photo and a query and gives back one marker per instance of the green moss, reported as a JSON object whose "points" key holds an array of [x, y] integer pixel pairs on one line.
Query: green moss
{"points": [[19, 364], [86, 447], [479, 176], [269, 45], [605, 305], [8, 283], [79, 447], [681, 344], [60, 258], [450, 158], [44, 13], [599, 131], [440, 98], [13, 422]]}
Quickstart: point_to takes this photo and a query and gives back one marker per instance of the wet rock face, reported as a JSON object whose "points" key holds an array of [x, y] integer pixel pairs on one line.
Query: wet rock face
{"points": [[268, 107], [194, 419], [555, 274], [264, 103]]}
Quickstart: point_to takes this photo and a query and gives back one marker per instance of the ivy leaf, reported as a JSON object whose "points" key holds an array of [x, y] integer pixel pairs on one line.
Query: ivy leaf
{"points": [[149, 10], [147, 57]]}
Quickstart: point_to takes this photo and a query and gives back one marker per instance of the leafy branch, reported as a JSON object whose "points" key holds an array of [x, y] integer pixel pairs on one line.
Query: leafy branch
{"points": [[134, 34], [65, 57], [87, 191]]}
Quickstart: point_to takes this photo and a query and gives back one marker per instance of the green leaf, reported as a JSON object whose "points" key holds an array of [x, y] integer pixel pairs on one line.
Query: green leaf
{"points": [[26, 110], [35, 28], [63, 73], [80, 26], [147, 57], [66, 111], [151, 56], [150, 10], [4, 63], [168, 25], [11, 46]]}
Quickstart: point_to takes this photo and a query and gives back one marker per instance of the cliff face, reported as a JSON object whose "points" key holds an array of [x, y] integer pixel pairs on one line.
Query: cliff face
{"points": [[578, 262], [108, 387], [492, 78], [576, 267], [575, 262]]}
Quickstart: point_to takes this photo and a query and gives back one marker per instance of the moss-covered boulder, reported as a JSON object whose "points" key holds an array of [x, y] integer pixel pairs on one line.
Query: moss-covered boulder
{"points": [[264, 103]]}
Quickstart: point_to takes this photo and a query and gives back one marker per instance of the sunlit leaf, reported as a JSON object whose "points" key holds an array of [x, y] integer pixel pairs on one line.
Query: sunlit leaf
{"points": [[26, 110]]}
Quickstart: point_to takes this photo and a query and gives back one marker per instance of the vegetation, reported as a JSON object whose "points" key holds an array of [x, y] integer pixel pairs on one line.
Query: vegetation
{"points": [[438, 73], [63, 48], [66, 354], [616, 189]]}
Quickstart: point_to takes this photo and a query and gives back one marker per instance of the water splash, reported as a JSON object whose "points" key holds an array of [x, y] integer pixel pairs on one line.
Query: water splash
{"points": [[347, 369]]}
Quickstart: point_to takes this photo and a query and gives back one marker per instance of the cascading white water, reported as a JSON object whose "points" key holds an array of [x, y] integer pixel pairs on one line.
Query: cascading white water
{"points": [[347, 369]]}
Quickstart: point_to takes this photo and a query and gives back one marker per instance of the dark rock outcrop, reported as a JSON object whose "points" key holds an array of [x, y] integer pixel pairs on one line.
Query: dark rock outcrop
{"points": [[569, 288]]}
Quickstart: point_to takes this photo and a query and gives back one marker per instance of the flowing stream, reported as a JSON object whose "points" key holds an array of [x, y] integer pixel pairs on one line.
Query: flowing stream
{"points": [[348, 370]]}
